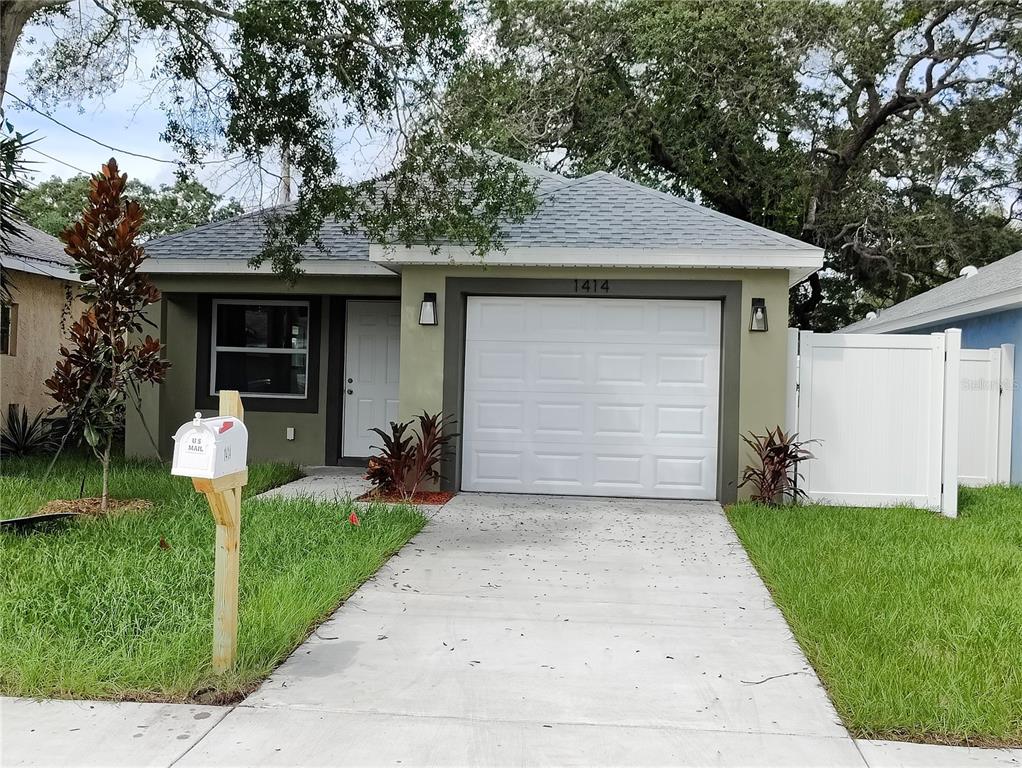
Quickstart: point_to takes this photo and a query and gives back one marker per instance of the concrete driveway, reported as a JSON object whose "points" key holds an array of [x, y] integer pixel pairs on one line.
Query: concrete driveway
{"points": [[542, 631]]}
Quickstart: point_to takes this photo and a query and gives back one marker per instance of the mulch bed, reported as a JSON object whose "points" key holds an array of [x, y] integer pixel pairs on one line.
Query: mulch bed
{"points": [[91, 506], [431, 498]]}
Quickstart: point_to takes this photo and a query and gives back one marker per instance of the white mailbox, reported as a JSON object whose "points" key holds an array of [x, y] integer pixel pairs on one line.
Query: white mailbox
{"points": [[210, 448]]}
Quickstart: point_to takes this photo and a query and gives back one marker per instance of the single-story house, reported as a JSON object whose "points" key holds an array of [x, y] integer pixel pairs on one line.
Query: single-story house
{"points": [[986, 304], [618, 344], [33, 324]]}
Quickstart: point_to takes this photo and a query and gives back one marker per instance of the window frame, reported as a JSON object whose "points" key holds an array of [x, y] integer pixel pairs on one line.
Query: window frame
{"points": [[11, 311], [307, 351]]}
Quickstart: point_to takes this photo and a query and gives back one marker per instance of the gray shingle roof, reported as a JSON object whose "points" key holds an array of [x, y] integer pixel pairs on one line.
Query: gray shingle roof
{"points": [[599, 211], [242, 238], [603, 211], [38, 245], [38, 253], [953, 297]]}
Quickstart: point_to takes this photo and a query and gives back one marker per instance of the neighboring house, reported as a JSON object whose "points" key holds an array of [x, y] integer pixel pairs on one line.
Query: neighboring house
{"points": [[33, 325], [606, 350], [986, 303]]}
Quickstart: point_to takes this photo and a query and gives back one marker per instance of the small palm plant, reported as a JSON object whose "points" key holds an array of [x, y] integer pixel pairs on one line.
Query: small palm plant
{"points": [[21, 435], [775, 476]]}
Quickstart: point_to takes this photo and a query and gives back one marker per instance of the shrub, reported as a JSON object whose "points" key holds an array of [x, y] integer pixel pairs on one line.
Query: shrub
{"points": [[776, 474], [22, 436], [405, 461]]}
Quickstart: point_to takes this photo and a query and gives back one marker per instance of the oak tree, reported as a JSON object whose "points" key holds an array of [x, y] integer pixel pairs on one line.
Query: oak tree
{"points": [[885, 131], [250, 77]]}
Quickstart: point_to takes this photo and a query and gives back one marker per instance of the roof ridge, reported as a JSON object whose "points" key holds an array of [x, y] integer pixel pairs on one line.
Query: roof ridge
{"points": [[688, 204], [568, 182]]}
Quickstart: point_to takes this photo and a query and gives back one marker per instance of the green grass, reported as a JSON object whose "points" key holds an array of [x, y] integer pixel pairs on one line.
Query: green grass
{"points": [[98, 609], [913, 621]]}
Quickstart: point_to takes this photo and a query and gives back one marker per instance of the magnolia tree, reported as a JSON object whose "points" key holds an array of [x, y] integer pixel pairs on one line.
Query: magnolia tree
{"points": [[108, 360]]}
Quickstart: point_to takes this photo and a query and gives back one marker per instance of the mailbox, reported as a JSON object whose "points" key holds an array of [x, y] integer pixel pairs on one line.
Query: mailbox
{"points": [[210, 448]]}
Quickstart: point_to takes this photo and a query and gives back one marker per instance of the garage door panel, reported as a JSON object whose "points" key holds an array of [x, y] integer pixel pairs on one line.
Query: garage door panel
{"points": [[664, 422], [592, 396], [680, 472], [546, 319], [598, 368], [683, 422], [563, 469]]}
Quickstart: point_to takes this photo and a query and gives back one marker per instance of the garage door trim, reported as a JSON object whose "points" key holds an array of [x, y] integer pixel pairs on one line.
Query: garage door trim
{"points": [[729, 293]]}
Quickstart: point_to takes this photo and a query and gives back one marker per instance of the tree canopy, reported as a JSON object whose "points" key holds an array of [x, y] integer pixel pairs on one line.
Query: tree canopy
{"points": [[885, 131], [251, 77], [53, 204]]}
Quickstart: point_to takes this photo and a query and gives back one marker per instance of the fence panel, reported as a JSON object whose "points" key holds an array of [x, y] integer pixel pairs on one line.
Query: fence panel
{"points": [[979, 408], [876, 405], [987, 388]]}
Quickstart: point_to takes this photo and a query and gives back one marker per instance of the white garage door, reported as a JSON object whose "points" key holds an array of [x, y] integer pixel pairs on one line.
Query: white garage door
{"points": [[600, 397]]}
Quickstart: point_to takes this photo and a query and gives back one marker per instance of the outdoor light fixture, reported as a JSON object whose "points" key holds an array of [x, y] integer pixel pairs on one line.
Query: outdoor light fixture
{"points": [[759, 315], [427, 311]]}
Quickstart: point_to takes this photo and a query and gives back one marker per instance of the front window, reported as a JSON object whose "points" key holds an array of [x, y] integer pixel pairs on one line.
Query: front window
{"points": [[260, 348]]}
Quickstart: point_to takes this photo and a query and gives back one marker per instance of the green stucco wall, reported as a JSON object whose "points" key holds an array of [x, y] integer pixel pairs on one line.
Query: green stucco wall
{"points": [[762, 355], [165, 410], [762, 378]]}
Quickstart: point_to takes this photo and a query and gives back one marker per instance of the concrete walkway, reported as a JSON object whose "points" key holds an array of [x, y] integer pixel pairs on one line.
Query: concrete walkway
{"points": [[324, 484], [517, 630]]}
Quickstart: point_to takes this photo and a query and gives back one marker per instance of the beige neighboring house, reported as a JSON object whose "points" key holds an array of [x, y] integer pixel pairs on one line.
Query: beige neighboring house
{"points": [[35, 323]]}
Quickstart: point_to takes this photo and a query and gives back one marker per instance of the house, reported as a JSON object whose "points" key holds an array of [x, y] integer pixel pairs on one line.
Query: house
{"points": [[617, 346], [986, 304], [33, 324]]}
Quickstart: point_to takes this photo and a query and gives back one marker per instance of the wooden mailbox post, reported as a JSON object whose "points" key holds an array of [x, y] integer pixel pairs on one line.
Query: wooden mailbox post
{"points": [[209, 453]]}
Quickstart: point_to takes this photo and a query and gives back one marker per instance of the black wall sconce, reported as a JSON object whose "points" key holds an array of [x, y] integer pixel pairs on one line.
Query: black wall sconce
{"points": [[758, 321], [427, 310]]}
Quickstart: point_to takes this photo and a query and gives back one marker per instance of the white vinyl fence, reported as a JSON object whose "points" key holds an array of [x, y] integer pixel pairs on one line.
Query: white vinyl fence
{"points": [[898, 418], [985, 415], [881, 412]]}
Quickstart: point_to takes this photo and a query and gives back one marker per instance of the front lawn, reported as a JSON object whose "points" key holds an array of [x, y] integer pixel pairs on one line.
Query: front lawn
{"points": [[122, 607], [913, 621]]}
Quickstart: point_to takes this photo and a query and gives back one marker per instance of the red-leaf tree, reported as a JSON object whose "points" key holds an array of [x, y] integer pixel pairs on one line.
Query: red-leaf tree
{"points": [[108, 360]]}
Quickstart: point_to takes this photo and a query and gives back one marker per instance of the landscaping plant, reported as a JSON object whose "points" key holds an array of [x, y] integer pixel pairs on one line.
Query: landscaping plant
{"points": [[775, 475], [405, 461], [22, 436], [108, 360]]}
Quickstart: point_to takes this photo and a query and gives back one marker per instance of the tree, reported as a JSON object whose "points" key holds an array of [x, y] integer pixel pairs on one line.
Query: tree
{"points": [[12, 186], [108, 362], [251, 76], [885, 131], [53, 204]]}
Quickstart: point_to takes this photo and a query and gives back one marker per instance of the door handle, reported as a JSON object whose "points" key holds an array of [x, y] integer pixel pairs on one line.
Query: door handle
{"points": [[351, 391]]}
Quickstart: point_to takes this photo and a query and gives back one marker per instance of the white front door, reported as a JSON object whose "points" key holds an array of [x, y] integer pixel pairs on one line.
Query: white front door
{"points": [[371, 360], [599, 397]]}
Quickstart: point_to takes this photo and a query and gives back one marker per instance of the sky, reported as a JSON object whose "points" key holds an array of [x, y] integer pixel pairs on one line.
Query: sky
{"points": [[131, 121]]}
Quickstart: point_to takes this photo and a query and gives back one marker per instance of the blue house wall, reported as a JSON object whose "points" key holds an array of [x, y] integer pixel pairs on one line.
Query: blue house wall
{"points": [[993, 330]]}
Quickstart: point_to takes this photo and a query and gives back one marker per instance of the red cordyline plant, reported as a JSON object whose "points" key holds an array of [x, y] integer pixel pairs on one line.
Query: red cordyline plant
{"points": [[407, 461], [107, 360], [775, 475]]}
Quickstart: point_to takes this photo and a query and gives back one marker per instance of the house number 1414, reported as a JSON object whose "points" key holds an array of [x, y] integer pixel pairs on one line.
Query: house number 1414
{"points": [[592, 286]]}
